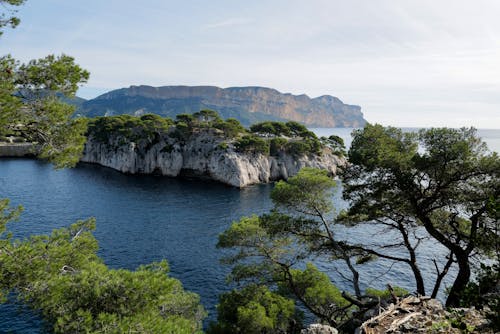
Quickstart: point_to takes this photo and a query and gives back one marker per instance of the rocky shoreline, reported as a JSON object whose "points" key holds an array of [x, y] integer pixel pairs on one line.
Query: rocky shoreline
{"points": [[17, 149], [204, 155]]}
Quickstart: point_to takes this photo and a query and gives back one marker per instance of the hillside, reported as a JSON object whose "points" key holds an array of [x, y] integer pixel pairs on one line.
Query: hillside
{"points": [[247, 104]]}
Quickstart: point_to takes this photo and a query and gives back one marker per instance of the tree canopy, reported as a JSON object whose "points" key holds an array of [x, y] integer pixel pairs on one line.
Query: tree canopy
{"points": [[61, 275], [30, 97], [442, 180], [8, 18], [438, 184], [273, 249]]}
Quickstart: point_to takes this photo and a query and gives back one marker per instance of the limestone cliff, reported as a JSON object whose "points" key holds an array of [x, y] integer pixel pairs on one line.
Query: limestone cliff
{"points": [[247, 104], [205, 155]]}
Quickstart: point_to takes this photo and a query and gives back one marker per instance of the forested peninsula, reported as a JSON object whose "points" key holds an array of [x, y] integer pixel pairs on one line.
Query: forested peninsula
{"points": [[202, 145]]}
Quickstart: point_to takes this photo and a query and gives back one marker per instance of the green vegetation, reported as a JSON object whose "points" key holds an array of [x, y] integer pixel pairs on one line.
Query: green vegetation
{"points": [[32, 109], [30, 100], [290, 137], [483, 293], [61, 275], [231, 127], [448, 192], [271, 248], [9, 18], [130, 128], [277, 145], [335, 143], [252, 143], [150, 128], [271, 128], [254, 310]]}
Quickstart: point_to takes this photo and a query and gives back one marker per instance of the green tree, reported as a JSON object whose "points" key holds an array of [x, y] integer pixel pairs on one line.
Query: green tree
{"points": [[231, 127], [32, 109], [252, 143], [273, 248], [61, 275], [299, 130], [206, 116], [30, 100], [445, 187], [255, 309], [271, 128], [335, 143], [8, 18]]}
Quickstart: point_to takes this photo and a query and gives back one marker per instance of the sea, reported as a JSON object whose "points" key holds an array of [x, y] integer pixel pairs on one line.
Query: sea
{"points": [[141, 219]]}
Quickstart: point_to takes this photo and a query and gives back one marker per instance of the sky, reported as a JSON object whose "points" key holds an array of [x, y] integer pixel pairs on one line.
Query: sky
{"points": [[407, 63]]}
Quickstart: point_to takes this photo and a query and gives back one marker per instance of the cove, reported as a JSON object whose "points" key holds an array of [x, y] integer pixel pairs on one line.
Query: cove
{"points": [[145, 218], [140, 219]]}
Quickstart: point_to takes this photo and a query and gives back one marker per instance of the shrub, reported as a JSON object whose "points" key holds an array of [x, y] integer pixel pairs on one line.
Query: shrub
{"points": [[271, 128], [297, 148], [252, 143], [130, 127], [223, 146], [254, 310], [231, 127], [277, 145]]}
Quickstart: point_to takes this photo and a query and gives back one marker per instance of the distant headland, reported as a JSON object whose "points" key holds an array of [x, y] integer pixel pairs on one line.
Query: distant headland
{"points": [[248, 105]]}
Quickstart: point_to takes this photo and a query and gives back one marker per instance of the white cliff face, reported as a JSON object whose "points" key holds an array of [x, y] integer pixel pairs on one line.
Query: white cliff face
{"points": [[202, 156]]}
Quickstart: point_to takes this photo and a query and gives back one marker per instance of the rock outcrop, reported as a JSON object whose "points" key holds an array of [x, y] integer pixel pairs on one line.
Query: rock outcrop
{"points": [[202, 156], [425, 315], [18, 149], [319, 329], [247, 104]]}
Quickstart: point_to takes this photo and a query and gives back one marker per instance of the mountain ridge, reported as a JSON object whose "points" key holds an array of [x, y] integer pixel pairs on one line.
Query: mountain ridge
{"points": [[249, 104]]}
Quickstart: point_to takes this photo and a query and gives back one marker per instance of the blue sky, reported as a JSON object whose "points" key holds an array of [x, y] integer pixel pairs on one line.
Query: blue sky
{"points": [[406, 63]]}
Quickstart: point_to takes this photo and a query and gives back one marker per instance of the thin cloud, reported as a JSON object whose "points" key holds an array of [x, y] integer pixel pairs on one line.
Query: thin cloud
{"points": [[417, 62], [231, 22]]}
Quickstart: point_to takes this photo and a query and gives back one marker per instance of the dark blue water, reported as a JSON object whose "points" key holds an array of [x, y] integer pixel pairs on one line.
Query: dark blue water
{"points": [[141, 219]]}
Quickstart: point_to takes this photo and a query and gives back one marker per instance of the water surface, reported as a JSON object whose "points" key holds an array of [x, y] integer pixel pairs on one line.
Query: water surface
{"points": [[141, 219]]}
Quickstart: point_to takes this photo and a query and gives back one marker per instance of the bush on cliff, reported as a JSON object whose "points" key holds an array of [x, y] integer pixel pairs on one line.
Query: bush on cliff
{"points": [[231, 127], [128, 127], [252, 143]]}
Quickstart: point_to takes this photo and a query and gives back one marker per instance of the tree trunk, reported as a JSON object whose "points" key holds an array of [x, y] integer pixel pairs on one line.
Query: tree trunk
{"points": [[461, 281], [419, 280]]}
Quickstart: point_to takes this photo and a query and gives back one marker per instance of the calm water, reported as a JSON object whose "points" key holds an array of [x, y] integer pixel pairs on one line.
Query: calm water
{"points": [[141, 219]]}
